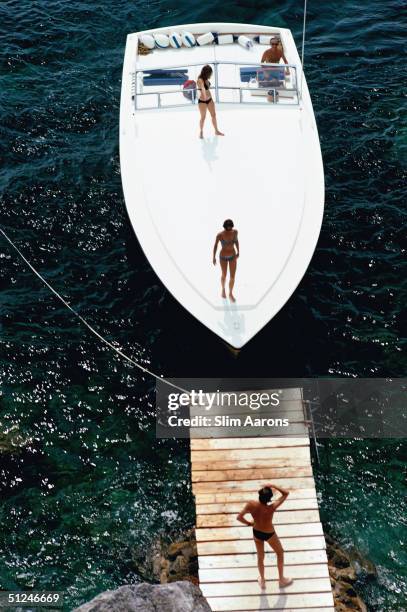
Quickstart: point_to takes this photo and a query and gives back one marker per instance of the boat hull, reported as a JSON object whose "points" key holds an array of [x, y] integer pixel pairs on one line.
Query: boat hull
{"points": [[266, 174]]}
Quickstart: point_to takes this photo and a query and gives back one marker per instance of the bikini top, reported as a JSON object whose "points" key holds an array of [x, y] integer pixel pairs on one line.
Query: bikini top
{"points": [[228, 242]]}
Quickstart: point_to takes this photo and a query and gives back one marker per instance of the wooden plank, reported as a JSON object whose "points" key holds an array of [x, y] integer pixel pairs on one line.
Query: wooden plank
{"points": [[238, 443], [237, 547], [213, 534], [265, 474], [234, 507], [249, 560], [280, 518], [281, 601], [241, 464], [228, 404], [227, 589], [293, 416], [293, 429], [244, 496], [288, 409], [238, 574], [286, 453], [285, 395], [251, 485]]}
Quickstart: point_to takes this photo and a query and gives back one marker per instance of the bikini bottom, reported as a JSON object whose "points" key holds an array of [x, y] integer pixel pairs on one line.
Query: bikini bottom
{"points": [[263, 535]]}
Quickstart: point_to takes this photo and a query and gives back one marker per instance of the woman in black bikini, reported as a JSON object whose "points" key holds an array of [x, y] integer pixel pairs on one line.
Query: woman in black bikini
{"points": [[262, 512], [205, 102], [228, 255]]}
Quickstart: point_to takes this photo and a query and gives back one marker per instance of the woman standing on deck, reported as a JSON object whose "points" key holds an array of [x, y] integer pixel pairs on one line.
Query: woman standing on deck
{"points": [[228, 256], [262, 512], [205, 101]]}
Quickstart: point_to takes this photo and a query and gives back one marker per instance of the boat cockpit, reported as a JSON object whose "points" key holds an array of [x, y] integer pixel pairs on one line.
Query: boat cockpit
{"points": [[161, 80]]}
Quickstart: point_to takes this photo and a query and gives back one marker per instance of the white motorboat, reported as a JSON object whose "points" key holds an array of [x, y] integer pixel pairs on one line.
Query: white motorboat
{"points": [[265, 174]]}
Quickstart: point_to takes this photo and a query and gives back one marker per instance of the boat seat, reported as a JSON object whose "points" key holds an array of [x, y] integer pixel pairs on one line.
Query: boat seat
{"points": [[165, 77], [270, 74], [254, 72], [247, 73]]}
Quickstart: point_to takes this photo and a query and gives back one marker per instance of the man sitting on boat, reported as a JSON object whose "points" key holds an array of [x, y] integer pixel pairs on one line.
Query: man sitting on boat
{"points": [[273, 56], [275, 53]]}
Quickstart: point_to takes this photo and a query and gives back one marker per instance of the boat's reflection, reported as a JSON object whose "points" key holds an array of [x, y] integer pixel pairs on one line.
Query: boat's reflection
{"points": [[209, 146], [233, 325]]}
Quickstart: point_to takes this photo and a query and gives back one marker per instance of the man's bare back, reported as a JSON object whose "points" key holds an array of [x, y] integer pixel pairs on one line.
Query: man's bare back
{"points": [[262, 515], [262, 512]]}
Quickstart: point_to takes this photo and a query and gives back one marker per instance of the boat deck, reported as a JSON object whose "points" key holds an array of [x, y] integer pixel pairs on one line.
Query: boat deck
{"points": [[226, 473], [209, 187]]}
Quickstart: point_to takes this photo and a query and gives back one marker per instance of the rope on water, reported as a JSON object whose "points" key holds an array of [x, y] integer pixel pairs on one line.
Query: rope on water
{"points": [[303, 43], [92, 329]]}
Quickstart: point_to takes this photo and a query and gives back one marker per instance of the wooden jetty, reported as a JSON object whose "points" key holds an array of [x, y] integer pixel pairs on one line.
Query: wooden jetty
{"points": [[226, 473]]}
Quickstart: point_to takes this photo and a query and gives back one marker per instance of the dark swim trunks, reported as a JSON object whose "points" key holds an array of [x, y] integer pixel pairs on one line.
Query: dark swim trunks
{"points": [[263, 535]]}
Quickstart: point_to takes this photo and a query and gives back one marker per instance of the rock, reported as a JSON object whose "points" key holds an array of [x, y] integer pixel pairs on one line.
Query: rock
{"points": [[175, 549], [168, 562], [348, 573], [175, 597], [362, 564], [171, 562], [179, 567], [343, 573]]}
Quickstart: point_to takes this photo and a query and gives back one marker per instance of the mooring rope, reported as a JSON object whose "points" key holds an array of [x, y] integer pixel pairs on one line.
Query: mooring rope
{"points": [[303, 43], [88, 325]]}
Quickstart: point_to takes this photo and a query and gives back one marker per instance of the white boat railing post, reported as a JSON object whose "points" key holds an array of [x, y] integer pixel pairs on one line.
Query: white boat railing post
{"points": [[134, 76], [216, 82]]}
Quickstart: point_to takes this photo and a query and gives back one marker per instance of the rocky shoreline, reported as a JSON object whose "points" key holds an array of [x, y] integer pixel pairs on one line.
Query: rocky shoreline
{"points": [[175, 567], [344, 568]]}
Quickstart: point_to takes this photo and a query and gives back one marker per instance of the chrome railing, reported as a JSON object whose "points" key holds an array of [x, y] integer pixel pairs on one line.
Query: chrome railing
{"points": [[139, 94]]}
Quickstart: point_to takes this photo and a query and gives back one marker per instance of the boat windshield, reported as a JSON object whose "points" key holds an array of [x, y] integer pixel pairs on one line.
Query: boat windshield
{"points": [[231, 83]]}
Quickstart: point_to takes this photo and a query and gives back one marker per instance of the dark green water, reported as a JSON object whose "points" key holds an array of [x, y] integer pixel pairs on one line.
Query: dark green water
{"points": [[362, 493], [82, 500]]}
